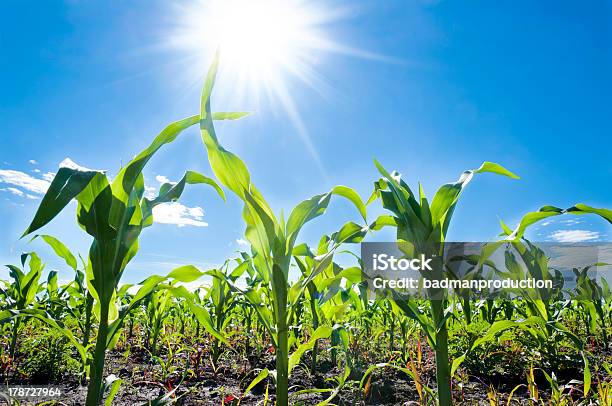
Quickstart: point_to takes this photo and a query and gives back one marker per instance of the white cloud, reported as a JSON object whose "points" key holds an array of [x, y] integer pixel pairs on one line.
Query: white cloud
{"points": [[36, 170], [70, 164], [23, 181], [150, 192], [162, 179], [176, 213], [574, 235], [13, 190], [48, 176], [33, 162], [243, 242]]}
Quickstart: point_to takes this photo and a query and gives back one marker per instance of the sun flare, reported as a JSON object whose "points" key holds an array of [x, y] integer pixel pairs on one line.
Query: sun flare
{"points": [[260, 37], [261, 42]]}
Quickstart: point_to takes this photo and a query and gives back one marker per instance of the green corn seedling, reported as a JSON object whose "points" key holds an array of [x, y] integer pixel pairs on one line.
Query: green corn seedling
{"points": [[114, 214], [272, 241], [422, 225], [23, 290]]}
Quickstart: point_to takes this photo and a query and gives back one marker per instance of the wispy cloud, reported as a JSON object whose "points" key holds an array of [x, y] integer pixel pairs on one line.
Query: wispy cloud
{"points": [[242, 242], [23, 181], [574, 235], [13, 190], [33, 162], [48, 176], [178, 214]]}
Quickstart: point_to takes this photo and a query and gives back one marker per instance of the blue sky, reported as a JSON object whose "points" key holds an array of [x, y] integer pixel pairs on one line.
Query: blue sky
{"points": [[524, 84]]}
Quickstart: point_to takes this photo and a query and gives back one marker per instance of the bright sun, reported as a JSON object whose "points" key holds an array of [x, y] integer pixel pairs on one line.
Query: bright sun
{"points": [[259, 40], [260, 36], [262, 44]]}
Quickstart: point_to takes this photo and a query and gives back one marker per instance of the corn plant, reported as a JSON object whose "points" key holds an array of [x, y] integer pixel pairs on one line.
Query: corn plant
{"points": [[22, 292], [424, 226], [272, 241], [591, 297], [222, 300], [79, 302], [323, 290], [158, 304], [114, 214]]}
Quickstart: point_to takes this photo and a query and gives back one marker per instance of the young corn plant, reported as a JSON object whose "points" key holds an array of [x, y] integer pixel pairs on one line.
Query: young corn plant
{"points": [[591, 297], [113, 214], [542, 321], [423, 226], [158, 304], [323, 291], [272, 241], [222, 300], [22, 302], [79, 302], [22, 292]]}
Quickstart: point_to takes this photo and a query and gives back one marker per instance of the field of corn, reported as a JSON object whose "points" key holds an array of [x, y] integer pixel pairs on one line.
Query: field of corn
{"points": [[252, 335]]}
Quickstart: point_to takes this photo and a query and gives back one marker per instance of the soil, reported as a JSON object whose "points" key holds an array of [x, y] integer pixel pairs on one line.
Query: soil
{"points": [[144, 380]]}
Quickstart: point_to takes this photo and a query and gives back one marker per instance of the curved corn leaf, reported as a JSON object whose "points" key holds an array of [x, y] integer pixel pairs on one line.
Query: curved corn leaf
{"points": [[59, 248], [187, 273], [263, 374], [113, 384], [319, 333], [353, 196], [67, 184], [446, 198], [550, 211]]}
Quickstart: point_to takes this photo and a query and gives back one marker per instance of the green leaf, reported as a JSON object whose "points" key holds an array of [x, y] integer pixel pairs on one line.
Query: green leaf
{"points": [[383, 221], [126, 179], [582, 208], [263, 374], [321, 332], [586, 376], [114, 383], [230, 116], [350, 233], [302, 250], [57, 326], [495, 168], [69, 181], [147, 286], [192, 178], [353, 196], [304, 212], [60, 249], [187, 273], [352, 274], [205, 320], [549, 211], [456, 363], [503, 325], [445, 199]]}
